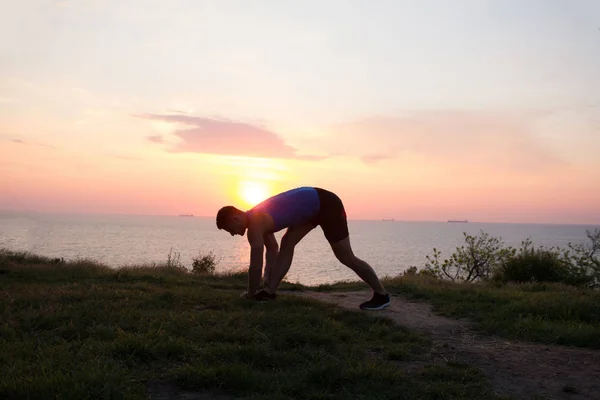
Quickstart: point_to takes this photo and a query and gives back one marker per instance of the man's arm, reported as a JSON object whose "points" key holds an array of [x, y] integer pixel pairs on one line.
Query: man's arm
{"points": [[257, 243], [272, 250]]}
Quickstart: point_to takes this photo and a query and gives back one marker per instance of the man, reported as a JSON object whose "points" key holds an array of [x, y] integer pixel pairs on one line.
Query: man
{"points": [[299, 210]]}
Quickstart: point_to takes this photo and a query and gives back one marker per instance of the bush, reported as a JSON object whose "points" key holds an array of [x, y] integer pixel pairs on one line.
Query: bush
{"points": [[534, 265], [414, 271], [204, 263], [174, 259], [25, 257], [482, 255], [585, 258]]}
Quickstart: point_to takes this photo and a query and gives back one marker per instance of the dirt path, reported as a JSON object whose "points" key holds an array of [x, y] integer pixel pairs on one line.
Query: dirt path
{"points": [[520, 369]]}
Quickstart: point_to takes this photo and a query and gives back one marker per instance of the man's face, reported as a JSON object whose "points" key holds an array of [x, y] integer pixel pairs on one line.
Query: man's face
{"points": [[235, 226]]}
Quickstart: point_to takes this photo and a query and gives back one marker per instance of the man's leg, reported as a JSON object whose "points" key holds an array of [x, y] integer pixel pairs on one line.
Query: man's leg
{"points": [[343, 252], [286, 252]]}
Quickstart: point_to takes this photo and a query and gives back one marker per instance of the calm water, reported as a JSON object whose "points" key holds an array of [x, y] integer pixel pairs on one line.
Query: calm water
{"points": [[389, 246]]}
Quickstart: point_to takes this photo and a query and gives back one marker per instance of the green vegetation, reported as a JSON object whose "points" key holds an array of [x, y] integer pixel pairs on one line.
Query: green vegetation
{"points": [[541, 312], [481, 256], [532, 264], [204, 263], [485, 257], [537, 294], [80, 330]]}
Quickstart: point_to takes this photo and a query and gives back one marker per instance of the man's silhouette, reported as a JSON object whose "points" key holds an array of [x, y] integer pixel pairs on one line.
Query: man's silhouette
{"points": [[299, 210]]}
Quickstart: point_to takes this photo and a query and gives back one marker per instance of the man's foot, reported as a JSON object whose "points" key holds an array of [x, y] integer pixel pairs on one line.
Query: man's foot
{"points": [[377, 302], [263, 295]]}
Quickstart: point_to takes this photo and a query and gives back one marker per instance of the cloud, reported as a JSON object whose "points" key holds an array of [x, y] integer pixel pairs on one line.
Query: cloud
{"points": [[126, 158], [374, 158], [80, 90], [470, 138], [155, 139], [21, 141], [221, 136], [313, 158]]}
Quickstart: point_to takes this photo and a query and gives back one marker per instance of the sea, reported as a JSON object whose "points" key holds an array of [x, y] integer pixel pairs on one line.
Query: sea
{"points": [[389, 246]]}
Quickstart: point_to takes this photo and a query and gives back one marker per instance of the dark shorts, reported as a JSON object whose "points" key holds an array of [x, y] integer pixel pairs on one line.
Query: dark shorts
{"points": [[331, 216]]}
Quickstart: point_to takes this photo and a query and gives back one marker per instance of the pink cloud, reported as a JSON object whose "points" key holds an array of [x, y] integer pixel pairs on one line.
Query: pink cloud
{"points": [[155, 139], [126, 158], [20, 141], [220, 136], [374, 158], [499, 140]]}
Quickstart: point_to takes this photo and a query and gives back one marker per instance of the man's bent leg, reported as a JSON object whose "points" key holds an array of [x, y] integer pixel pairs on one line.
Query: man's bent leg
{"points": [[343, 252], [284, 258]]}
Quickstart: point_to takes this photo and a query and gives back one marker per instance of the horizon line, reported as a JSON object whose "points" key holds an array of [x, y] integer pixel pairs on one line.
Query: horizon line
{"points": [[388, 220]]}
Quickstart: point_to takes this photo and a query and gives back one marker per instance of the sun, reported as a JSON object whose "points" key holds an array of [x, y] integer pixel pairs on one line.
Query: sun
{"points": [[252, 192]]}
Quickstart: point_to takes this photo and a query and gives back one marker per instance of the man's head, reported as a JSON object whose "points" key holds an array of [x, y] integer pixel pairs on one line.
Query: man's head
{"points": [[232, 220]]}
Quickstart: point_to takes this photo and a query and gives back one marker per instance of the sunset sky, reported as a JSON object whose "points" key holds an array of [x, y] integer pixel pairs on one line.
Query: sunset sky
{"points": [[414, 110]]}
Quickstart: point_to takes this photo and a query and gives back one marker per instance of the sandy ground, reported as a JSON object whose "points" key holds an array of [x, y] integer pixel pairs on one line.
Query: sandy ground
{"points": [[520, 369]]}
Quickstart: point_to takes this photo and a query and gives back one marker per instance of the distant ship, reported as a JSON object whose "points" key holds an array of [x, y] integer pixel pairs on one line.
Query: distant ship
{"points": [[186, 215], [384, 219], [458, 221]]}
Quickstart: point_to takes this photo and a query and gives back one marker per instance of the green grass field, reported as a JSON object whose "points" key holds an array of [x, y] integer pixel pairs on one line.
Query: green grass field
{"points": [[546, 313], [79, 330]]}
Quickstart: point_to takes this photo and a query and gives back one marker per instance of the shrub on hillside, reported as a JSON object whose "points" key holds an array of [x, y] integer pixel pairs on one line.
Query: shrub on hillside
{"points": [[532, 264], [585, 258], [476, 261], [414, 271], [174, 260], [204, 263], [25, 257], [485, 257]]}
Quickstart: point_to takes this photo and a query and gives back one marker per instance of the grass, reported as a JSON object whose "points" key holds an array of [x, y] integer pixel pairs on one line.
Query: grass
{"points": [[80, 330], [539, 312]]}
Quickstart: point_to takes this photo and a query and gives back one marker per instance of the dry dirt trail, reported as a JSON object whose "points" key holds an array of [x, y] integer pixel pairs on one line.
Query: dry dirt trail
{"points": [[520, 369]]}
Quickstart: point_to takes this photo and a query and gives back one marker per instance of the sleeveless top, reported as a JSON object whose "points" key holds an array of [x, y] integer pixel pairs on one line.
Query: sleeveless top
{"points": [[290, 208]]}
